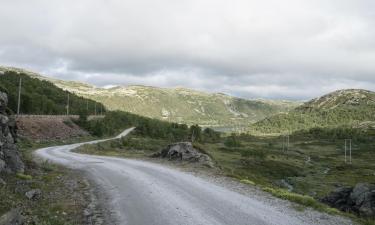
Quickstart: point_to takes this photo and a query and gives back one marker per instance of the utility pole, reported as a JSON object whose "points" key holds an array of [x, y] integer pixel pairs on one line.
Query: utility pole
{"points": [[350, 151], [348, 142], [19, 96], [345, 150], [95, 109], [67, 106], [87, 105]]}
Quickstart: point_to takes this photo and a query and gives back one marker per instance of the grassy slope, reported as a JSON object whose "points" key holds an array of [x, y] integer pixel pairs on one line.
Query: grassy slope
{"points": [[63, 192]]}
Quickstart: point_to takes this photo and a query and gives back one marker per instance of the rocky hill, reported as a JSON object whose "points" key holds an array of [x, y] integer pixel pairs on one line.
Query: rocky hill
{"points": [[350, 107], [176, 104]]}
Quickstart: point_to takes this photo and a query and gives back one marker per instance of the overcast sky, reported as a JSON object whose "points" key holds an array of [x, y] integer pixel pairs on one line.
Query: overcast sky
{"points": [[291, 49]]}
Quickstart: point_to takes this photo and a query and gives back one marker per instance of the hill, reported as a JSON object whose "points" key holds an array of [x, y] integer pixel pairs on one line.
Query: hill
{"points": [[349, 107], [41, 96], [177, 104]]}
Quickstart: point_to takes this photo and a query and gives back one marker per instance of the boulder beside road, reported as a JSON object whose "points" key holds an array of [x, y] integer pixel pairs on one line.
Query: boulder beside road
{"points": [[184, 151]]}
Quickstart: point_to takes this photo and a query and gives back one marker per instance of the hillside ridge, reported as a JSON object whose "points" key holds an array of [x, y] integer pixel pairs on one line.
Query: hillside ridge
{"points": [[177, 104]]}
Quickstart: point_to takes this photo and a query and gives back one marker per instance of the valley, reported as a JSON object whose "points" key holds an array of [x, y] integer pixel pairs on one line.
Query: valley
{"points": [[291, 150]]}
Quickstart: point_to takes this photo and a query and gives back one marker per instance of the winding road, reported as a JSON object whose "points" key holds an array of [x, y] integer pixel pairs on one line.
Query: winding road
{"points": [[145, 193]]}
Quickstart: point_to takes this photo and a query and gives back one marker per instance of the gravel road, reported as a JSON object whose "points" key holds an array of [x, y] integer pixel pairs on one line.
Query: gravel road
{"points": [[146, 193]]}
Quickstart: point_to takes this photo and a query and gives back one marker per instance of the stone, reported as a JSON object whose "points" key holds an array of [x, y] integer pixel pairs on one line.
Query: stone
{"points": [[10, 160], [13, 217], [34, 194], [13, 159], [3, 101], [184, 151], [363, 197], [359, 199], [339, 198]]}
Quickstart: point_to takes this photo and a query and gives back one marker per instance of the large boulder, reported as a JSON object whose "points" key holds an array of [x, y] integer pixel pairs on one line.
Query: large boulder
{"points": [[363, 198], [10, 160], [339, 199], [359, 199], [184, 151]]}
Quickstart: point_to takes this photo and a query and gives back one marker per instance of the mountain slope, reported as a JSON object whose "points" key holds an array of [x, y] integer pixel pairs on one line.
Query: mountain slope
{"points": [[41, 96], [178, 104], [349, 107]]}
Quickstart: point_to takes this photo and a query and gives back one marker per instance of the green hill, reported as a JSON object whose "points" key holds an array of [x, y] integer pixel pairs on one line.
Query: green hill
{"points": [[350, 107], [177, 104], [41, 96]]}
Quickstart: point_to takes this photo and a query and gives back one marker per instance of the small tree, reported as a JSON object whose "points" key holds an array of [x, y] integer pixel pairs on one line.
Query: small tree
{"points": [[195, 133], [232, 141]]}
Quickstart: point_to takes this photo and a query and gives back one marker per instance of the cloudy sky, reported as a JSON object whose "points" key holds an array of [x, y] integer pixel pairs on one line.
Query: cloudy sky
{"points": [[292, 49]]}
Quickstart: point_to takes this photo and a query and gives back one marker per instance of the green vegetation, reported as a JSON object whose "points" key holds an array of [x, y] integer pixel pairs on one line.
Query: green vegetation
{"points": [[41, 96], [304, 200], [349, 108], [115, 122]]}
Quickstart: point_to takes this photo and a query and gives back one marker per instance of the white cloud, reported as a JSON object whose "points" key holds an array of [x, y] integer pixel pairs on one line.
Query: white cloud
{"points": [[268, 48]]}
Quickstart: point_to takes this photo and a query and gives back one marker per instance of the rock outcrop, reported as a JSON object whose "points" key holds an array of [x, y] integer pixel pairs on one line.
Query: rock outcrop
{"points": [[360, 199], [184, 151], [10, 160]]}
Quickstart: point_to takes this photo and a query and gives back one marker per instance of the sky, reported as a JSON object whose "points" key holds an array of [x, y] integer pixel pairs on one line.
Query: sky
{"points": [[291, 49]]}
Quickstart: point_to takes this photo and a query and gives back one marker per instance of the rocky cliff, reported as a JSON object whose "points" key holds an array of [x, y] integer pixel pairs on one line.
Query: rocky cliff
{"points": [[10, 160]]}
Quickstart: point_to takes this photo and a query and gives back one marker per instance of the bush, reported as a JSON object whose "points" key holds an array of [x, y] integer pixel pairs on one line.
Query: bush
{"points": [[24, 176]]}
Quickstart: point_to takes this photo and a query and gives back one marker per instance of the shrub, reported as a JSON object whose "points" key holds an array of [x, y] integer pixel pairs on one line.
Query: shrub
{"points": [[246, 181], [23, 176]]}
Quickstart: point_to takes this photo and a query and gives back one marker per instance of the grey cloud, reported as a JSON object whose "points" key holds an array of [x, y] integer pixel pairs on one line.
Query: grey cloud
{"points": [[296, 49]]}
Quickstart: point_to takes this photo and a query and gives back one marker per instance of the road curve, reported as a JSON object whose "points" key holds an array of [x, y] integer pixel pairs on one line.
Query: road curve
{"points": [[144, 193]]}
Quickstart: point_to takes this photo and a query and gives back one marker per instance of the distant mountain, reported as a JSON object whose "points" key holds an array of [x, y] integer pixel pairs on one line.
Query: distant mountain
{"points": [[177, 104], [349, 107], [41, 96]]}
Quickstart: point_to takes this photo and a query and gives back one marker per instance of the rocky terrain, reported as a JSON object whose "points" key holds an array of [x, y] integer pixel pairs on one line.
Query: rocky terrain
{"points": [[359, 199], [10, 160], [41, 129]]}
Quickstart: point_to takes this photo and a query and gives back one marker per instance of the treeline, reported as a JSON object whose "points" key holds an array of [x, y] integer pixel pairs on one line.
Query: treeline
{"points": [[299, 120], [42, 97], [338, 133], [116, 121]]}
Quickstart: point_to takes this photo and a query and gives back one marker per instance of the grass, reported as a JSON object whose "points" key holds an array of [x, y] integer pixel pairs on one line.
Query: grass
{"points": [[304, 200], [249, 182], [23, 176], [61, 202]]}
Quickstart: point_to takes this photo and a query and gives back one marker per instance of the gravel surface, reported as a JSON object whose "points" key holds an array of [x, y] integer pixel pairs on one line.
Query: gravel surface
{"points": [[139, 192]]}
